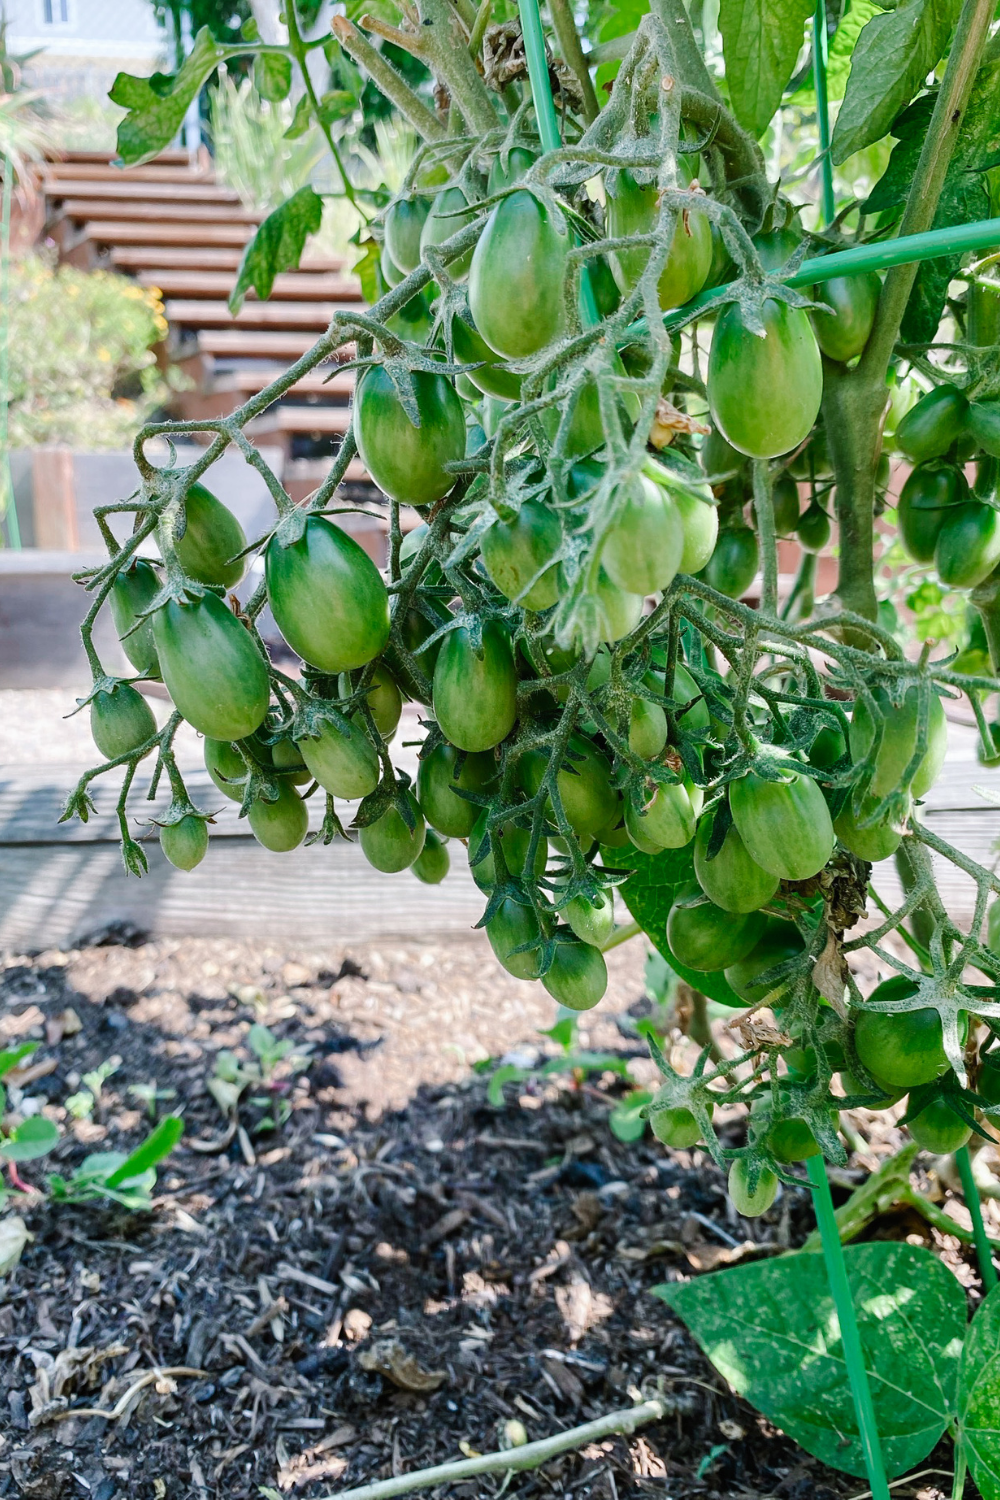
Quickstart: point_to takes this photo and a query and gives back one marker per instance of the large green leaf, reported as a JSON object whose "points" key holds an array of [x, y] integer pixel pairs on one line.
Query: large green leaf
{"points": [[277, 245], [157, 105], [772, 1331], [892, 57], [979, 1397], [650, 893], [761, 42]]}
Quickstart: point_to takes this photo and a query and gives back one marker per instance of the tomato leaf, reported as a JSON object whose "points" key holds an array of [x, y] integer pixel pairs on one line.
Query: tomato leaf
{"points": [[277, 245], [157, 105], [979, 1398], [761, 42], [272, 76], [301, 120], [649, 894], [893, 55], [771, 1330], [35, 1137], [158, 1144]]}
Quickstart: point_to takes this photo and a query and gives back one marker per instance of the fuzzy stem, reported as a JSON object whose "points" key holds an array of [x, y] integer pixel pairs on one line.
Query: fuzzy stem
{"points": [[529, 1456], [392, 84], [448, 52], [690, 63], [298, 50], [764, 512]]}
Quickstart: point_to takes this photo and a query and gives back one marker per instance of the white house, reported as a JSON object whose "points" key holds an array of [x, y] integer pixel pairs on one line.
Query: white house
{"points": [[84, 42]]}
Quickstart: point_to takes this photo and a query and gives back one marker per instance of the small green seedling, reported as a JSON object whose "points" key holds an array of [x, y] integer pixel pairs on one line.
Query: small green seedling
{"points": [[233, 1077], [118, 1177], [35, 1136], [82, 1104], [149, 1095], [581, 1064]]}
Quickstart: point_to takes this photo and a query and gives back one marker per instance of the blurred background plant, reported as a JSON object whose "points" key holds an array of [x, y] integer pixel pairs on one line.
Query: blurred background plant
{"points": [[82, 368]]}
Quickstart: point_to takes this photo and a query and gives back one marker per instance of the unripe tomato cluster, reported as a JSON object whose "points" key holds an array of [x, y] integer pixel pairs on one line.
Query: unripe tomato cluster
{"points": [[565, 746]]}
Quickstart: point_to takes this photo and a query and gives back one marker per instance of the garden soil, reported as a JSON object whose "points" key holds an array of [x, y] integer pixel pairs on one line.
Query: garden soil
{"points": [[373, 1269]]}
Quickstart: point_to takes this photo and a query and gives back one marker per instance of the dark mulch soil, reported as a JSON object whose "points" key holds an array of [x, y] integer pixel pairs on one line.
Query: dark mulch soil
{"points": [[502, 1260]]}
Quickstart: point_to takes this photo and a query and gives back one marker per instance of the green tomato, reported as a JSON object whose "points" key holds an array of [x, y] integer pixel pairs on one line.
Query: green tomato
{"points": [[475, 697], [899, 741], [592, 923], [506, 170], [618, 612], [632, 209], [212, 538], [813, 461], [988, 1083], [778, 942], [408, 462], [285, 757], [939, 1129], [212, 668], [185, 844], [511, 925], [968, 545], [813, 529], [733, 880], [433, 862], [677, 1127], [589, 800], [416, 627], [492, 377], [703, 936], [578, 975], [776, 246], [875, 842], [342, 759], [383, 697], [700, 523], [785, 825], [515, 844], [765, 391], [993, 930], [647, 729], [751, 1203], [327, 598], [132, 592], [414, 320], [666, 822], [842, 328], [517, 277], [437, 784], [827, 748], [516, 552], [403, 225], [931, 493], [388, 844], [785, 503], [643, 549], [121, 721], [792, 1140], [720, 459], [901, 1050], [444, 220], [226, 766], [280, 825], [982, 422], [732, 567], [929, 428]]}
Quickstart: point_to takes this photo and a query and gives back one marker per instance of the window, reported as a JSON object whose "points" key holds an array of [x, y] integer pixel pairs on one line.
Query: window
{"points": [[55, 12]]}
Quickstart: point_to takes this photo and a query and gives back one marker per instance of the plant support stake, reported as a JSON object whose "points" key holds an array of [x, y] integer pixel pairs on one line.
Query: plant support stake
{"points": [[836, 1270], [984, 1254], [548, 122], [820, 45]]}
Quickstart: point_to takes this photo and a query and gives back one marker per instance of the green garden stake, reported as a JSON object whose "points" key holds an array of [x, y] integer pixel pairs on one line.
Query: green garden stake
{"points": [[836, 1270], [984, 1253], [548, 121], [819, 46]]}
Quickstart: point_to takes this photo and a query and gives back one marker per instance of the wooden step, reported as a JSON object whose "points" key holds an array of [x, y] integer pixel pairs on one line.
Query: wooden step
{"points": [[208, 258], [248, 381], [222, 394], [104, 231], [55, 173], [298, 285], [317, 421], [196, 314], [155, 213], [173, 158], [125, 190], [246, 343]]}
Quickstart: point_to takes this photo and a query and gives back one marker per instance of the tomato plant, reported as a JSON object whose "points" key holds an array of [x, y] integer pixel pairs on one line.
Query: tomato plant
{"points": [[607, 659]]}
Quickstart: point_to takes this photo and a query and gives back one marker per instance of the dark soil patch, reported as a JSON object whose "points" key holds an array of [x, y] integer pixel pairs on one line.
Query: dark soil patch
{"points": [[502, 1257]]}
